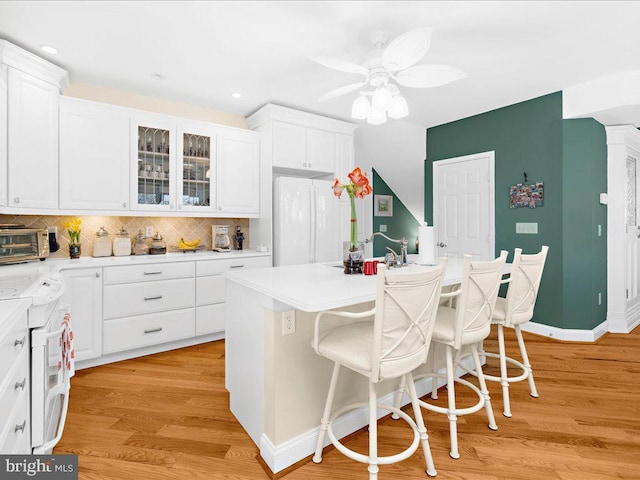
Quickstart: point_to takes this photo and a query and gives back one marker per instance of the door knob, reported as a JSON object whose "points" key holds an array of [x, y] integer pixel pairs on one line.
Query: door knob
{"points": [[443, 245]]}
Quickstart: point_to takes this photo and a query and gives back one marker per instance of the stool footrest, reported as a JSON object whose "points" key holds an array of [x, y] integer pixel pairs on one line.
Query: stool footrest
{"points": [[493, 378], [458, 411]]}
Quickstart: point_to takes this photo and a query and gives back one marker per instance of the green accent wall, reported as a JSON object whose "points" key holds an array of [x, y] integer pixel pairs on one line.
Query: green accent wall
{"points": [[569, 156], [401, 224]]}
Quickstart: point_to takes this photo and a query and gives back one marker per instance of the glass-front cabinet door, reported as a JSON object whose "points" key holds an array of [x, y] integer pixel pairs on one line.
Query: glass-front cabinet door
{"points": [[196, 168], [154, 166]]}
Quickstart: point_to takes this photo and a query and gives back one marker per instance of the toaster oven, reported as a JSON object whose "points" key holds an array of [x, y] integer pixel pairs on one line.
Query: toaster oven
{"points": [[23, 244]]}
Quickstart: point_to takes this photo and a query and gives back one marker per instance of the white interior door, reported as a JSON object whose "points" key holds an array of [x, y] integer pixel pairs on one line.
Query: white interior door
{"points": [[632, 233], [464, 206]]}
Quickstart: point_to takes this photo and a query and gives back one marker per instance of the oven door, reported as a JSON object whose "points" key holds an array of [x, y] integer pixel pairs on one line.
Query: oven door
{"points": [[50, 383]]}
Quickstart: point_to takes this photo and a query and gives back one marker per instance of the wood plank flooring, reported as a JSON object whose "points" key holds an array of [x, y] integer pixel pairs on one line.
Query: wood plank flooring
{"points": [[166, 416]]}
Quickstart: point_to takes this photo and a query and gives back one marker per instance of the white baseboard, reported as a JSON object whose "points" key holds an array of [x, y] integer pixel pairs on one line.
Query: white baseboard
{"points": [[279, 457], [566, 334], [624, 322]]}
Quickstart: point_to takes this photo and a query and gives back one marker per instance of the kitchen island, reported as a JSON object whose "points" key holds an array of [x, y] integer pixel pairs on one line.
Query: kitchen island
{"points": [[277, 383]]}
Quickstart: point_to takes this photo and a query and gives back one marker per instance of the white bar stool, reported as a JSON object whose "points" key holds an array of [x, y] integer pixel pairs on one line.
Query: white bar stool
{"points": [[393, 341], [464, 325], [513, 311]]}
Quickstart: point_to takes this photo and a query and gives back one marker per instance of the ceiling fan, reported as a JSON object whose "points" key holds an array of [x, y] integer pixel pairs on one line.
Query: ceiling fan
{"points": [[382, 67]]}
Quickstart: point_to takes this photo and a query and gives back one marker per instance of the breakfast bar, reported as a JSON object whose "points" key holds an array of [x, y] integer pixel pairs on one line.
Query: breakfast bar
{"points": [[277, 383]]}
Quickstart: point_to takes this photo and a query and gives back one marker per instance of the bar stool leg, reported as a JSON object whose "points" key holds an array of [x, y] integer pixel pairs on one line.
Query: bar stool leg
{"points": [[399, 394], [525, 362], [503, 373], [422, 430], [434, 379], [373, 433], [451, 393], [483, 388], [326, 415]]}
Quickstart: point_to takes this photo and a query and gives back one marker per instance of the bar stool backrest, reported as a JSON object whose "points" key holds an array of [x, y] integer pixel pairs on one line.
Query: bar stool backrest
{"points": [[406, 305], [524, 284], [479, 291]]}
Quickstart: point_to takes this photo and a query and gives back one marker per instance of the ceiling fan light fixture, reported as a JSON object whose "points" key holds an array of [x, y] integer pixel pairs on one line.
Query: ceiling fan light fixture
{"points": [[399, 107], [360, 108], [381, 99], [377, 117]]}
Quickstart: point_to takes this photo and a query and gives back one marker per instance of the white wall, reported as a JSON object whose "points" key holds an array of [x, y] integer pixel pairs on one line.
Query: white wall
{"points": [[397, 151]]}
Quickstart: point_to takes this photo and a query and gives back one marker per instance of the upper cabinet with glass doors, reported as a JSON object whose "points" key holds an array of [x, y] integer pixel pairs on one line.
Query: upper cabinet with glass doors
{"points": [[196, 168], [154, 165]]}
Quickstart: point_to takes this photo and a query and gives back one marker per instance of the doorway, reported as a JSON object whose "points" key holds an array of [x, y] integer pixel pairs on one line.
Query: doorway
{"points": [[464, 206]]}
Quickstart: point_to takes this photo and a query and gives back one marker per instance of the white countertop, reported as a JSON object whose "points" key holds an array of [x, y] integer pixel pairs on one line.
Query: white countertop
{"points": [[316, 287], [53, 265]]}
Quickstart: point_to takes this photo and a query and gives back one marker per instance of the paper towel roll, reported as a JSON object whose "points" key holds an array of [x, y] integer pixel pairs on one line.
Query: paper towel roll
{"points": [[427, 246]]}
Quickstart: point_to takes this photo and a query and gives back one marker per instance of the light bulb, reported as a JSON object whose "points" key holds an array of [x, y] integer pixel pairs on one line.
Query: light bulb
{"points": [[377, 117], [360, 108], [381, 99], [399, 107]]}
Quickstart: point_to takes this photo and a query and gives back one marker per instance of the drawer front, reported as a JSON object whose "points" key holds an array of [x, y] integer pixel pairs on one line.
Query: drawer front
{"points": [[13, 342], [210, 319], [14, 384], [134, 332], [17, 427], [148, 273], [216, 267], [210, 290], [137, 299]]}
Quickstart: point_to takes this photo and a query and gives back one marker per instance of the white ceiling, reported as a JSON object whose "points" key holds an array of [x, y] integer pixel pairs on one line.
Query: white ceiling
{"points": [[511, 51]]}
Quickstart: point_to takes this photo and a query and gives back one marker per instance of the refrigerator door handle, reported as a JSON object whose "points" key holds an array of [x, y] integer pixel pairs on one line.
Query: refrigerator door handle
{"points": [[312, 226]]}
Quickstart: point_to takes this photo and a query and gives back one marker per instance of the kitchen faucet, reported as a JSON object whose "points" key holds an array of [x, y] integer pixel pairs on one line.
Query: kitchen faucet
{"points": [[400, 259]]}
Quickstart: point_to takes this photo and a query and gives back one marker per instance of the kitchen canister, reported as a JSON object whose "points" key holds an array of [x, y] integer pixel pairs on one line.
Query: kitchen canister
{"points": [[102, 244], [122, 243]]}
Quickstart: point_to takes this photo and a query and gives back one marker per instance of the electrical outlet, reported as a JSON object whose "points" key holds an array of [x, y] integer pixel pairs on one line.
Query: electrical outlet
{"points": [[599, 298], [288, 322], [148, 232]]}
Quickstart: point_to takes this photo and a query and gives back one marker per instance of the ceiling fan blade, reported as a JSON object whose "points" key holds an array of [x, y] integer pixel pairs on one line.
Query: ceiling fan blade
{"points": [[426, 76], [342, 65], [407, 49], [340, 91]]}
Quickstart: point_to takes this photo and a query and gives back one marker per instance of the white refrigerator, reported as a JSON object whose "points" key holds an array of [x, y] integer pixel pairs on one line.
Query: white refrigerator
{"points": [[306, 225]]}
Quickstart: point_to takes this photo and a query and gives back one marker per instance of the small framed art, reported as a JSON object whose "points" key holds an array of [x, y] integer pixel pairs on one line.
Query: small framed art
{"points": [[383, 205]]}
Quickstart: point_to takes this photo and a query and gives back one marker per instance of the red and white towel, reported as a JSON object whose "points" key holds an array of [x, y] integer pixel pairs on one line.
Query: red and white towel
{"points": [[66, 343]]}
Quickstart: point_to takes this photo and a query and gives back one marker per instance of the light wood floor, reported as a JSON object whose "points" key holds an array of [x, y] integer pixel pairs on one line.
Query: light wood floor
{"points": [[165, 417]]}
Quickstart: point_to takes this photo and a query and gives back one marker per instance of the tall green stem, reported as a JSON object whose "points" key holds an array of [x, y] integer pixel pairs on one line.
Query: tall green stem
{"points": [[354, 223]]}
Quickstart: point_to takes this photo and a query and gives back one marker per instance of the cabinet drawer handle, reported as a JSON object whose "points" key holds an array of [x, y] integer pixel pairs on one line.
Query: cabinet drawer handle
{"points": [[153, 273], [153, 330], [16, 200], [20, 428], [19, 342], [20, 385], [237, 266], [157, 297]]}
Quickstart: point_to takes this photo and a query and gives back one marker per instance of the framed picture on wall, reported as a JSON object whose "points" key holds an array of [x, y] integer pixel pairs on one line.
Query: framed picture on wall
{"points": [[383, 205]]}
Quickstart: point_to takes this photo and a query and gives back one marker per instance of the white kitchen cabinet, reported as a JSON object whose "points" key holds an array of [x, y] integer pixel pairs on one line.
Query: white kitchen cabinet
{"points": [[196, 167], [3, 135], [153, 164], [321, 150], [94, 160], [289, 145], [33, 141], [344, 156], [83, 293], [238, 172]]}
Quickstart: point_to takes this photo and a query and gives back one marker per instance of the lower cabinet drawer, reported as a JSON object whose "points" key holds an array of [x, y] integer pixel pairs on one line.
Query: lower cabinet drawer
{"points": [[14, 339], [210, 319], [210, 290], [141, 298], [17, 427], [15, 383], [133, 332]]}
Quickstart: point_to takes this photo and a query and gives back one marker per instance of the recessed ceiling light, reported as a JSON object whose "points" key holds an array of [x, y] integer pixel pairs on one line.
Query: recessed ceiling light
{"points": [[236, 95], [157, 76], [49, 49]]}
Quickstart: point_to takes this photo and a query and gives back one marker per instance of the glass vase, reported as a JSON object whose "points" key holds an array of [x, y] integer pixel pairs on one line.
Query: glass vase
{"points": [[74, 250], [352, 257]]}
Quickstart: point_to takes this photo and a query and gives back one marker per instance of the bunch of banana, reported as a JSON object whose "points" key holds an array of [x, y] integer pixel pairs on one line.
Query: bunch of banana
{"points": [[188, 245]]}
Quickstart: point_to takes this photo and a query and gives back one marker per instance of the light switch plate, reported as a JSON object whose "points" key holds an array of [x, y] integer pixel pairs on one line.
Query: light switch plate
{"points": [[383, 228], [527, 228]]}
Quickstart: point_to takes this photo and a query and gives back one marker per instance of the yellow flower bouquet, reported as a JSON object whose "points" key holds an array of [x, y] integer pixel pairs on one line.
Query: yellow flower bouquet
{"points": [[73, 228]]}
